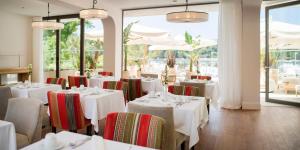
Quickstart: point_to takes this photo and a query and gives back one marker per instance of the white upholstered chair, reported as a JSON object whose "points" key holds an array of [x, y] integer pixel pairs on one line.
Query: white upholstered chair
{"points": [[5, 94], [25, 114]]}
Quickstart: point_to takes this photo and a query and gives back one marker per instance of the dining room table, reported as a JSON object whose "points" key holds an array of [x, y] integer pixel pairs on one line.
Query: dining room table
{"points": [[189, 112], [68, 140], [151, 85], [34, 90], [97, 103], [212, 90], [97, 80], [7, 136]]}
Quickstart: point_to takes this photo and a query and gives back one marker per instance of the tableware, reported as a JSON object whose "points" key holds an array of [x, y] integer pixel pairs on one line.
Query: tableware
{"points": [[77, 143], [81, 87]]}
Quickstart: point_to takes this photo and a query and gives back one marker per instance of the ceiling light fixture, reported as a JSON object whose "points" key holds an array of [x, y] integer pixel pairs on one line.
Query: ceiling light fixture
{"points": [[47, 25], [93, 13], [187, 16]]}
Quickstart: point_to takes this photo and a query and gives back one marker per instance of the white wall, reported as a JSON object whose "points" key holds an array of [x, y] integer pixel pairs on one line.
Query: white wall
{"points": [[250, 54], [15, 40]]}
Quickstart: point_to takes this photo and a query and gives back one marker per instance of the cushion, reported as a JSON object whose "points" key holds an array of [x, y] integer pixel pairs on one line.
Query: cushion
{"points": [[22, 140]]}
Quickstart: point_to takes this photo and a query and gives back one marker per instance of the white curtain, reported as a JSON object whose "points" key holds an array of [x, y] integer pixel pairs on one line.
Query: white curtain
{"points": [[229, 47]]}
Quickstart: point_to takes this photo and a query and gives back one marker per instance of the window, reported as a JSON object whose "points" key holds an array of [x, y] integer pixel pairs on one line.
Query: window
{"points": [[149, 42]]}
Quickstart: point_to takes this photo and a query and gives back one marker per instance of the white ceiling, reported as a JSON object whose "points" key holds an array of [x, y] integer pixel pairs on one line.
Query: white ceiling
{"points": [[60, 7]]}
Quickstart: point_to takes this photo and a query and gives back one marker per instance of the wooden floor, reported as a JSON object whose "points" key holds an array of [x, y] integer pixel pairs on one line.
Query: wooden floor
{"points": [[271, 128]]}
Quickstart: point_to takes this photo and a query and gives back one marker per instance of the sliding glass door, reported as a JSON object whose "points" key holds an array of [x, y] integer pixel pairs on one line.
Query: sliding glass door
{"points": [[282, 61]]}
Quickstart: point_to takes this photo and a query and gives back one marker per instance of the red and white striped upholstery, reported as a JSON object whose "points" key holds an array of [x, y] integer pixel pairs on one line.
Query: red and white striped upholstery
{"points": [[184, 90], [60, 81], [201, 77], [134, 88], [105, 73], [77, 81], [134, 128], [66, 112]]}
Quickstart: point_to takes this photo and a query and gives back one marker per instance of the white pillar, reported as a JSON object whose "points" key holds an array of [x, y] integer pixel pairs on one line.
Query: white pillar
{"points": [[37, 54], [250, 54]]}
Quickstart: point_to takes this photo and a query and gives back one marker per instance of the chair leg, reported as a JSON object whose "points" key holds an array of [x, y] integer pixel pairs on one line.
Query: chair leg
{"points": [[208, 108], [89, 130], [53, 129]]}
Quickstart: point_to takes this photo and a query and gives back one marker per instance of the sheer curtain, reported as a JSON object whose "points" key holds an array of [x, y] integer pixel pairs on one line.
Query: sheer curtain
{"points": [[229, 47]]}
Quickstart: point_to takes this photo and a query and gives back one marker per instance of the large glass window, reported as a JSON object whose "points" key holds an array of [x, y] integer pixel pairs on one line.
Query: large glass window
{"points": [[93, 46], [49, 53], [283, 51], [150, 43], [70, 48]]}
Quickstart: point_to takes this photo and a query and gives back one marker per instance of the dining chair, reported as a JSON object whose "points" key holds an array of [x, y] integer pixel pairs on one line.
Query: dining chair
{"points": [[134, 88], [184, 90], [106, 73], [200, 77], [66, 112], [5, 93], [134, 128], [117, 85], [149, 75], [201, 91], [26, 115], [172, 139], [59, 81], [77, 81]]}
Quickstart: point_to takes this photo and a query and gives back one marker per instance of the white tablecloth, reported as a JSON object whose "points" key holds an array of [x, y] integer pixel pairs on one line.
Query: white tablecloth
{"points": [[7, 136], [149, 84], [98, 81], [67, 137], [211, 89], [97, 105], [187, 117], [38, 91]]}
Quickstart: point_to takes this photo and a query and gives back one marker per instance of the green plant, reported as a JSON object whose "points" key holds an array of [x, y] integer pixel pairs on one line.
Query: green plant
{"points": [[126, 39], [194, 54]]}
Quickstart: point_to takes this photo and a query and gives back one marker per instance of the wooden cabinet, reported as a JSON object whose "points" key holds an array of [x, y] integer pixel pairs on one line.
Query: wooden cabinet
{"points": [[22, 73]]}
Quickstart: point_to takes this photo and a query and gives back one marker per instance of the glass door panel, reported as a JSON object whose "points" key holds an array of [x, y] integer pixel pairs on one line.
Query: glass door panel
{"points": [[283, 53]]}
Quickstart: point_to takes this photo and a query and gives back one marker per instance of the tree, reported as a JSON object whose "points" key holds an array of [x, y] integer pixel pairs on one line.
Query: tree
{"points": [[126, 39], [194, 55]]}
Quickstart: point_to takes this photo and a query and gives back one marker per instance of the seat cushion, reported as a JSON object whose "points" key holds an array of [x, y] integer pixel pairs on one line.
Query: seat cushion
{"points": [[180, 138], [22, 140]]}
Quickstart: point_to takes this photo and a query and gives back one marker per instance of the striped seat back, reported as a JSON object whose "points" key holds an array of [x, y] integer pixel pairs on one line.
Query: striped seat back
{"points": [[135, 128], [65, 111], [59, 81], [134, 88], [184, 90], [77, 81], [105, 73], [117, 85], [201, 77]]}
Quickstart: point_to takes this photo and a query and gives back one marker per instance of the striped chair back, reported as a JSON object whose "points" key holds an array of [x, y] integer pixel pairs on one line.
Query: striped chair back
{"points": [[201, 86], [134, 88], [201, 77], [117, 85], [135, 128], [60, 81], [66, 112], [77, 81], [106, 73], [184, 90]]}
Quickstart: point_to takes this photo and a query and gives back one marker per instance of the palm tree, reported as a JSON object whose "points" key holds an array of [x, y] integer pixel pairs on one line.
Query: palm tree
{"points": [[194, 55], [126, 39]]}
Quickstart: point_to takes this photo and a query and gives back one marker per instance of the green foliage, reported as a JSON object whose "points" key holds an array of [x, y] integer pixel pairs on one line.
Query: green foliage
{"points": [[126, 39], [70, 45]]}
